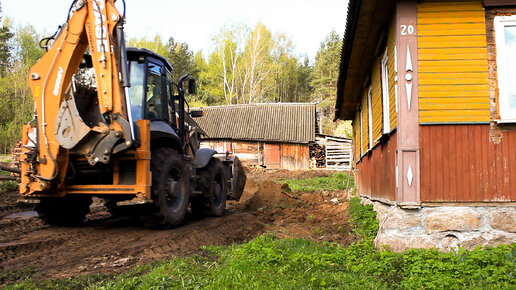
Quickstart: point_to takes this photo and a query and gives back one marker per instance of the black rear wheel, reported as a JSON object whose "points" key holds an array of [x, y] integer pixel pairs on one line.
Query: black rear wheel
{"points": [[64, 211], [170, 190], [212, 185]]}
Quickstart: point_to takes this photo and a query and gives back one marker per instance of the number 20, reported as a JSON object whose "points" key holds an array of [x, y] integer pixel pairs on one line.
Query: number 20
{"points": [[407, 29]]}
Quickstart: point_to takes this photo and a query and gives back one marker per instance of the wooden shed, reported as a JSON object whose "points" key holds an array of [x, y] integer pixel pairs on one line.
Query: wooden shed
{"points": [[271, 135], [429, 86]]}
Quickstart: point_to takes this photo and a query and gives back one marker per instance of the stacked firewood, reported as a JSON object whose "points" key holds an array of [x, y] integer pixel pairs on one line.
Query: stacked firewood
{"points": [[14, 166], [15, 156], [317, 156]]}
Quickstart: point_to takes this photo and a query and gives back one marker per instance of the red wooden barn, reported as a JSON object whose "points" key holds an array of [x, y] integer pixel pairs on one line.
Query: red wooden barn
{"points": [[274, 135]]}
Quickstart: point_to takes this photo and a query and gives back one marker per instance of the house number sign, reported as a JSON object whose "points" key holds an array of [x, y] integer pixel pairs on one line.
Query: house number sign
{"points": [[407, 29]]}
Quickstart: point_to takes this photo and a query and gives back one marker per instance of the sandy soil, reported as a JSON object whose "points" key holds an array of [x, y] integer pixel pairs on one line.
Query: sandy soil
{"points": [[106, 244]]}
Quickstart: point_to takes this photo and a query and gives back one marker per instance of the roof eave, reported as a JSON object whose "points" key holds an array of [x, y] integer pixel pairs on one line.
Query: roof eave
{"points": [[347, 44]]}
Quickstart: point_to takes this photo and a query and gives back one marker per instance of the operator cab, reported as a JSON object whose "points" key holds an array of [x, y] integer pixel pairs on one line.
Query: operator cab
{"points": [[152, 96]]}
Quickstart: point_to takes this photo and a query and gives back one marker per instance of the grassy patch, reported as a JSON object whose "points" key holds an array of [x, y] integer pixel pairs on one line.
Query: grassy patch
{"points": [[271, 263], [364, 219], [337, 181], [6, 158], [6, 186]]}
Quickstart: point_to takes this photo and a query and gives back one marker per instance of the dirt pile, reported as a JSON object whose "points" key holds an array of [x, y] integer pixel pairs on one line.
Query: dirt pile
{"points": [[266, 194]]}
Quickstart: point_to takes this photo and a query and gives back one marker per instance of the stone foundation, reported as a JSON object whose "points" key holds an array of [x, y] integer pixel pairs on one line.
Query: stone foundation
{"points": [[444, 227]]}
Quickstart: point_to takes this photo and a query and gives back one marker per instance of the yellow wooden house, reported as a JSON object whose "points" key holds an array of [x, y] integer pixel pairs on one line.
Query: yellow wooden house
{"points": [[431, 89]]}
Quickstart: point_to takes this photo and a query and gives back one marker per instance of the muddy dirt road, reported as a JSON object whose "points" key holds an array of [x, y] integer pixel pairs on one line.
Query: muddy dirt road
{"points": [[106, 244]]}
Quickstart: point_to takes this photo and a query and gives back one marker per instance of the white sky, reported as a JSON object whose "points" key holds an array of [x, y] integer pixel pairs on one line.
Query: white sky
{"points": [[306, 22]]}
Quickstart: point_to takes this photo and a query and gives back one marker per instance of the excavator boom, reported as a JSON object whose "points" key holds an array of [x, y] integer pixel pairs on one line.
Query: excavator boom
{"points": [[95, 26]]}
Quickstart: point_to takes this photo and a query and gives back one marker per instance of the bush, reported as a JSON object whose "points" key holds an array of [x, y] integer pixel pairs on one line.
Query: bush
{"points": [[363, 218], [337, 181]]}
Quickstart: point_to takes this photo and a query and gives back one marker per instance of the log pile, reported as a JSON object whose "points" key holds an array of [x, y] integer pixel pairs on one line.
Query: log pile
{"points": [[16, 154], [317, 155]]}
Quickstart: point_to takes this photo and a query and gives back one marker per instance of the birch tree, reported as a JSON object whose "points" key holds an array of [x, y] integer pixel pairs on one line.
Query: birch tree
{"points": [[258, 63], [228, 43]]}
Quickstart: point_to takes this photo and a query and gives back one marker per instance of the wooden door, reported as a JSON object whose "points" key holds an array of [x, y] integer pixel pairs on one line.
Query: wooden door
{"points": [[272, 155]]}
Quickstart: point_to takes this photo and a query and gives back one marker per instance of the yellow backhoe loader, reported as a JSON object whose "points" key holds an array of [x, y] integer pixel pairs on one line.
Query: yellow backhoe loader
{"points": [[112, 122]]}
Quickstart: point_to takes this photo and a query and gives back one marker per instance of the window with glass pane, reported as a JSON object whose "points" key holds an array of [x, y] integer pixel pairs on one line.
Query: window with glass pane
{"points": [[505, 31], [170, 100], [154, 104], [137, 90]]}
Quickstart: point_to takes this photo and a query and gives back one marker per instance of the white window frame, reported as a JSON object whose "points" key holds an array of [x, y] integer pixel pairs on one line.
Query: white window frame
{"points": [[370, 113], [361, 132], [507, 114], [385, 94]]}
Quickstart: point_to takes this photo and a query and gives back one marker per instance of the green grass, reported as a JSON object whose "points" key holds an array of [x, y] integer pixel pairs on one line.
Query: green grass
{"points": [[6, 158], [334, 182], [364, 219], [271, 263], [6, 186]]}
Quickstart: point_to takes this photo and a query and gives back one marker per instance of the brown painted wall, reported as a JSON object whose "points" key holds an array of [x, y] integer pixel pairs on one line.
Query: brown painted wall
{"points": [[375, 172], [291, 156], [248, 152], [295, 156], [460, 164]]}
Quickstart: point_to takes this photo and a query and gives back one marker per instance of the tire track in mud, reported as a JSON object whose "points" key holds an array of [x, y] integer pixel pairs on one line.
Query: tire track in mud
{"points": [[113, 245], [41, 243]]}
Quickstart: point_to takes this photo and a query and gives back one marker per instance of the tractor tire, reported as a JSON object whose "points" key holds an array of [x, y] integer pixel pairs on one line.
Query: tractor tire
{"points": [[239, 180], [64, 211], [212, 185], [170, 190]]}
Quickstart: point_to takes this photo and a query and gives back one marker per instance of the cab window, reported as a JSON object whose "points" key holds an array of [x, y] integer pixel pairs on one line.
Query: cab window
{"points": [[171, 101], [154, 95], [137, 92]]}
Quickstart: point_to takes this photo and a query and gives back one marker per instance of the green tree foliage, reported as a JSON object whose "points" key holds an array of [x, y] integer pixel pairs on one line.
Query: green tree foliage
{"points": [[247, 65], [323, 80], [181, 58], [254, 65], [326, 68], [5, 50], [155, 45], [16, 102]]}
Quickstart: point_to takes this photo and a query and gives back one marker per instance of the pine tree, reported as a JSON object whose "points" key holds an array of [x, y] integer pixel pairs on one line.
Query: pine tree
{"points": [[5, 50]]}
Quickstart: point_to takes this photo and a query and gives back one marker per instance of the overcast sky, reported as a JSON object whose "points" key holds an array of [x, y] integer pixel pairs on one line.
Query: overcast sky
{"points": [[306, 22]]}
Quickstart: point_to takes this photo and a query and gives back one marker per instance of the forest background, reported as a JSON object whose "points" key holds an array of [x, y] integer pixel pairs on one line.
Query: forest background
{"points": [[247, 65]]}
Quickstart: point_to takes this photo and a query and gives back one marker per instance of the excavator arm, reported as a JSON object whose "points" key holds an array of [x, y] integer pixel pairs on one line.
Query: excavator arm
{"points": [[95, 26]]}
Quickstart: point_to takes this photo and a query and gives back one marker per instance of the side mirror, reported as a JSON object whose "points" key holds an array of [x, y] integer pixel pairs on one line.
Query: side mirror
{"points": [[196, 113], [191, 86]]}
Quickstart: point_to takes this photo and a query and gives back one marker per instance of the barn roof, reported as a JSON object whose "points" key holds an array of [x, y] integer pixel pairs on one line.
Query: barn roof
{"points": [[281, 122]]}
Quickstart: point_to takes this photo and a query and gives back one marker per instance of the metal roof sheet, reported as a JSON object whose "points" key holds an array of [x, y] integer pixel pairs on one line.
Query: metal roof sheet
{"points": [[282, 122]]}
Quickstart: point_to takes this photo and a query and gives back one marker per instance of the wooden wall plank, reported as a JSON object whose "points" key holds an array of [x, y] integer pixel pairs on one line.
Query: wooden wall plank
{"points": [[452, 62], [467, 167], [425, 157], [512, 161], [454, 106], [376, 87], [365, 123], [391, 43], [445, 6], [452, 53], [454, 66], [375, 173]]}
